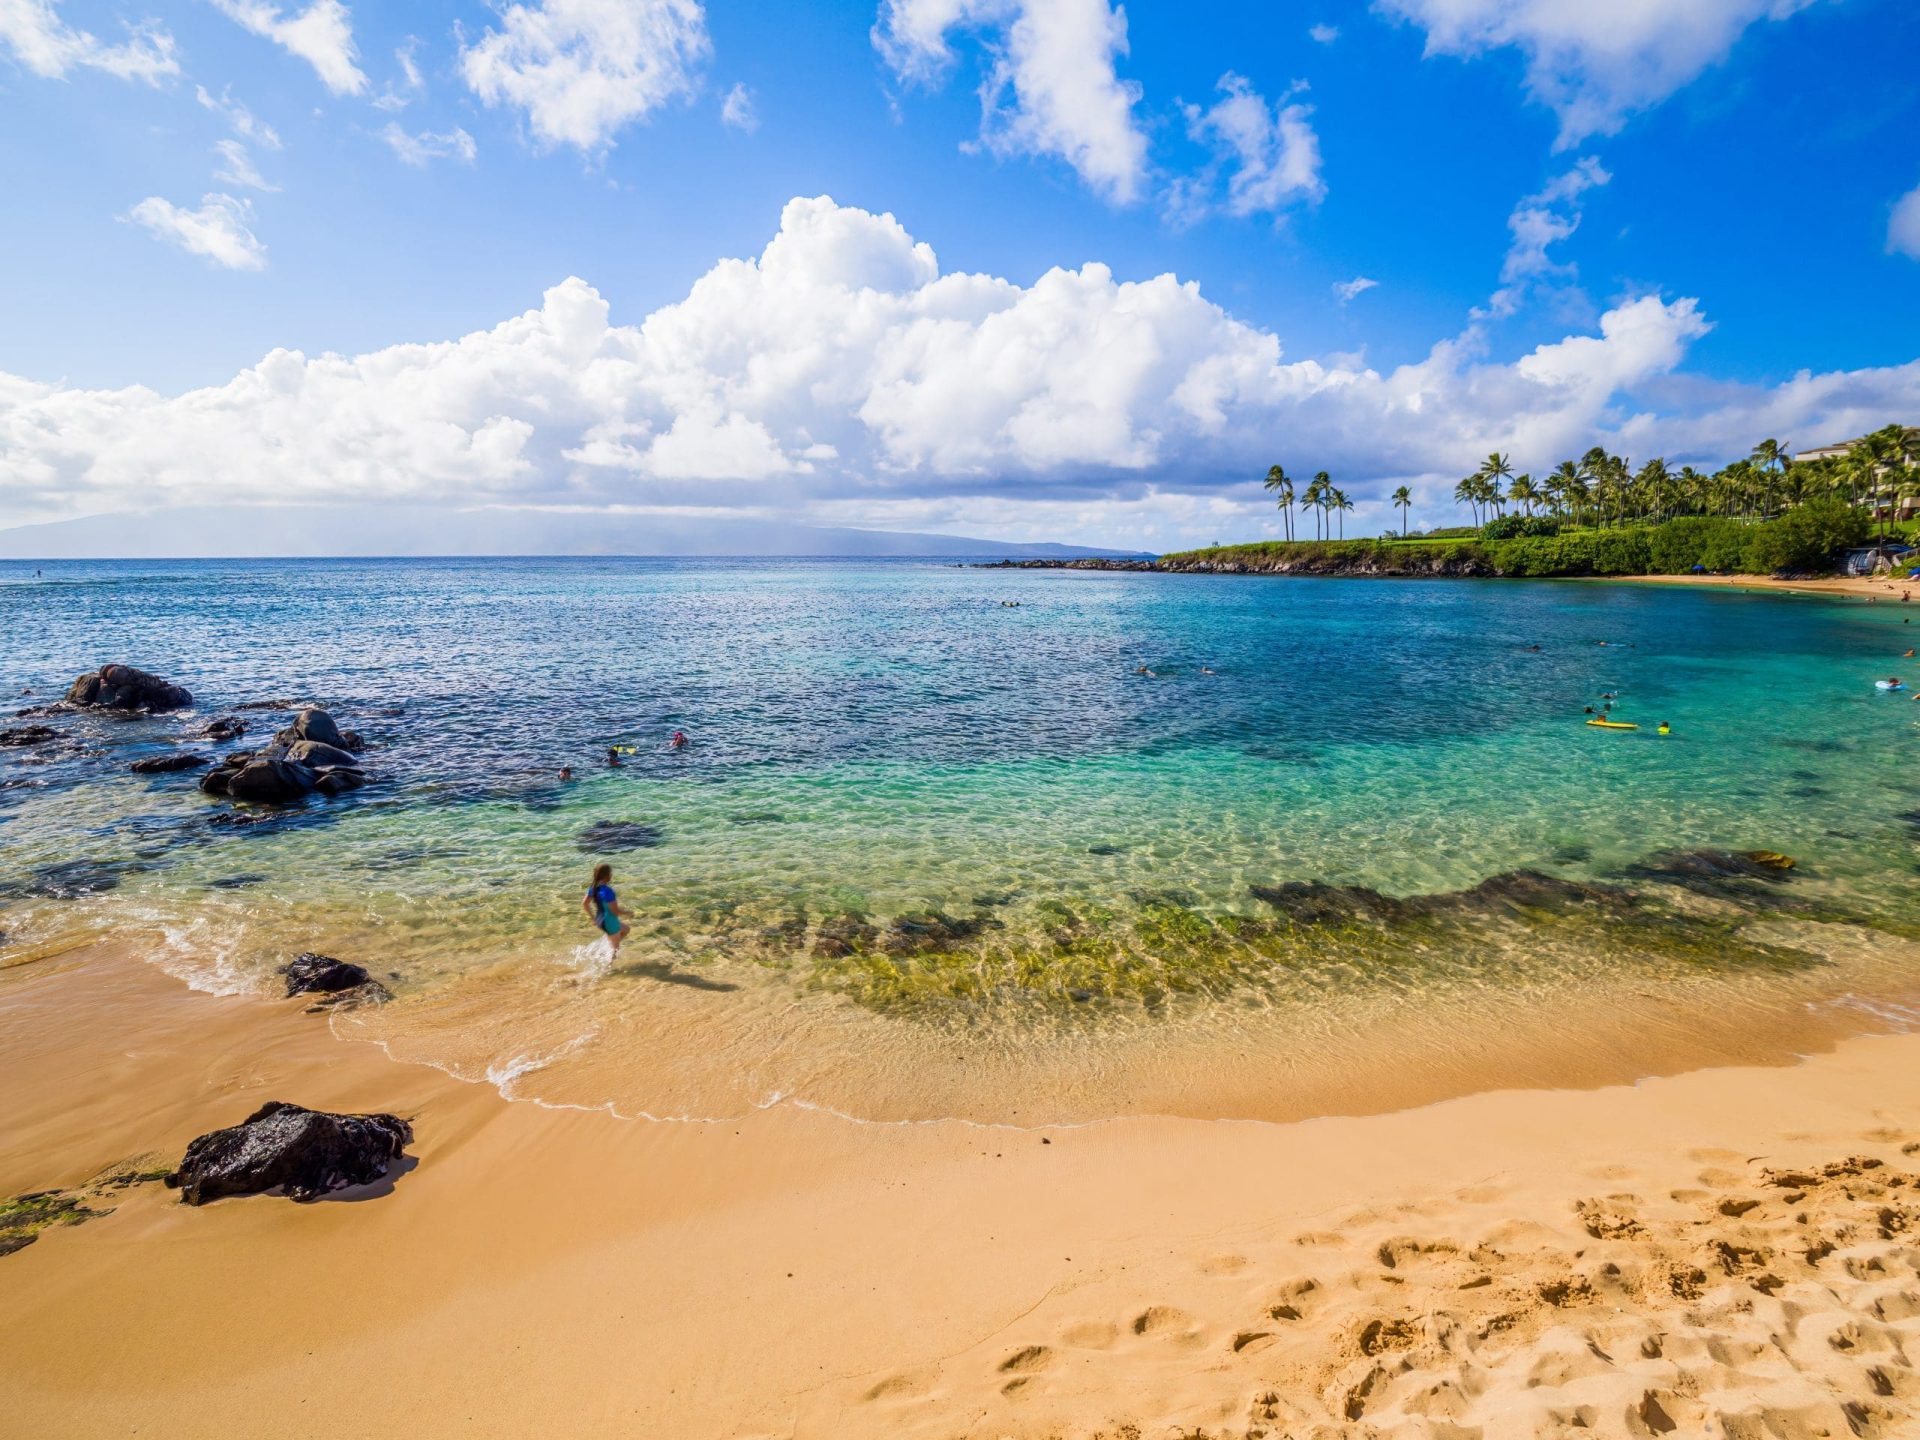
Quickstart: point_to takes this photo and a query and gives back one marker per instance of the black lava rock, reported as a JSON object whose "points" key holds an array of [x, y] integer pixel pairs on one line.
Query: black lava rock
{"points": [[309, 973], [227, 727], [619, 835], [167, 764], [302, 1153], [21, 736], [121, 687]]}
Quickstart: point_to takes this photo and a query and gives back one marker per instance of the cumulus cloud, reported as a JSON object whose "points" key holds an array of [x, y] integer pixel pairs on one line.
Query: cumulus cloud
{"points": [[1055, 58], [1348, 289], [35, 35], [1537, 223], [1323, 34], [321, 35], [1903, 226], [242, 121], [1269, 154], [237, 168], [220, 230], [1594, 64], [584, 69], [424, 148], [737, 111], [841, 375]]}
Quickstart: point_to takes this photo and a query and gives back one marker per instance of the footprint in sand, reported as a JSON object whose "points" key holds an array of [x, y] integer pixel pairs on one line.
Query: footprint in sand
{"points": [[908, 1385], [1027, 1360], [1293, 1300], [1090, 1335], [1379, 1336], [1252, 1340], [1223, 1265], [1168, 1323]]}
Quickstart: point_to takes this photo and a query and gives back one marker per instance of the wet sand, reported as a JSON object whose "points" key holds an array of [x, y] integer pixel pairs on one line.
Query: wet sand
{"points": [[1726, 1250]]}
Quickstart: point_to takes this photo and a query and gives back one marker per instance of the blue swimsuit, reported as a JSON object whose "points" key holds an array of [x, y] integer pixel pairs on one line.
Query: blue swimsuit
{"points": [[603, 900]]}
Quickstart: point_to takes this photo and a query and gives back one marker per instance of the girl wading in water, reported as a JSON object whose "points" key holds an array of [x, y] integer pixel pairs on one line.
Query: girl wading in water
{"points": [[604, 907]]}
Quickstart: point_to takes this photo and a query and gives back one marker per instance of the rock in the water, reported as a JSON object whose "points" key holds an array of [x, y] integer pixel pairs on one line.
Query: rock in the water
{"points": [[303, 1153], [271, 782], [167, 764], [338, 779], [215, 782], [21, 736], [317, 754], [312, 724], [226, 727], [619, 835], [121, 687], [309, 973]]}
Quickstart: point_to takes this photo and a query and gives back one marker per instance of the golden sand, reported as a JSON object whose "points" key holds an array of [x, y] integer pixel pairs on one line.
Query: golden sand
{"points": [[1723, 1252]]}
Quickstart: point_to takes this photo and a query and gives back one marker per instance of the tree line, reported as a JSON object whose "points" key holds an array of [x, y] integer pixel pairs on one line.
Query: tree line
{"points": [[1602, 489]]}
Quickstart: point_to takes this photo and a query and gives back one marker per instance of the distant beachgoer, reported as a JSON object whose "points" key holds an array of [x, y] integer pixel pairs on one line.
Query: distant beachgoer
{"points": [[679, 740], [1206, 670], [1906, 654], [603, 907], [566, 772], [1589, 709], [613, 756], [1665, 728]]}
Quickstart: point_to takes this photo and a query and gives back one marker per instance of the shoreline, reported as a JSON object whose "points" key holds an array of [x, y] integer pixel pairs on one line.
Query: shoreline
{"points": [[550, 1271], [1831, 586]]}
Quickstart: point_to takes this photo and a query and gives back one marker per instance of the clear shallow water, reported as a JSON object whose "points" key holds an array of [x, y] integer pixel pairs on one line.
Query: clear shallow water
{"points": [[932, 854]]}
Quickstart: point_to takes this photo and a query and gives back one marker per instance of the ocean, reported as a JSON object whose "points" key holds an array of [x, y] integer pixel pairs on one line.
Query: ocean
{"points": [[1007, 845]]}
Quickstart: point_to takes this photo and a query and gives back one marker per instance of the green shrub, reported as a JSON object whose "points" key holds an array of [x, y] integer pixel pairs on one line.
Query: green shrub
{"points": [[1807, 537], [1514, 527], [1680, 544]]}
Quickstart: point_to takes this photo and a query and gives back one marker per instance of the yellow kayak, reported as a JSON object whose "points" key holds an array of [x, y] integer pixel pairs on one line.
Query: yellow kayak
{"points": [[1612, 724]]}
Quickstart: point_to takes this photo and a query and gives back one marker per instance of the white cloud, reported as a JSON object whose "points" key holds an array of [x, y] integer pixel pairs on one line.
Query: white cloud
{"points": [[411, 80], [237, 168], [220, 230], [33, 32], [1323, 34], [1272, 154], [1348, 289], [321, 35], [841, 375], [584, 69], [424, 148], [1057, 59], [737, 110], [1903, 225], [1594, 63], [242, 121], [1537, 223]]}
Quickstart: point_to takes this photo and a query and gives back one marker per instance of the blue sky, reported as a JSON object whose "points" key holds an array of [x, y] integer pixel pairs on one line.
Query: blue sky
{"points": [[1634, 229]]}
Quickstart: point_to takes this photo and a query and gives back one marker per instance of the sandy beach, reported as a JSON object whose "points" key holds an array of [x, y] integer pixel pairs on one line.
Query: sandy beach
{"points": [[1862, 587], [1723, 1252]]}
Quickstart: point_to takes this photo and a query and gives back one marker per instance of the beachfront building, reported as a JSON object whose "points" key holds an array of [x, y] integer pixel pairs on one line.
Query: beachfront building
{"points": [[1888, 501]]}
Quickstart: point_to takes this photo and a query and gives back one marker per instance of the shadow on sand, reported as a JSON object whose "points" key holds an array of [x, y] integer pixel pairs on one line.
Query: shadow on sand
{"points": [[667, 975]]}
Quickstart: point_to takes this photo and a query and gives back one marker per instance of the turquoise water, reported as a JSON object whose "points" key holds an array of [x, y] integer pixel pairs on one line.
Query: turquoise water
{"points": [[929, 849]]}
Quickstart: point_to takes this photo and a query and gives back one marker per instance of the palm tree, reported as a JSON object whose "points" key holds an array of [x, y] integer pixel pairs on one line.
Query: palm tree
{"points": [[1771, 456], [1318, 492], [1523, 492], [1403, 497], [1568, 486], [1467, 493], [1281, 488], [1338, 499]]}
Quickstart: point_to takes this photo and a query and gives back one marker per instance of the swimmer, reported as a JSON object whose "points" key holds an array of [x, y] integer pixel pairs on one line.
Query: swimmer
{"points": [[566, 772], [1206, 670], [603, 907], [1906, 654], [613, 756], [679, 740], [1665, 728]]}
